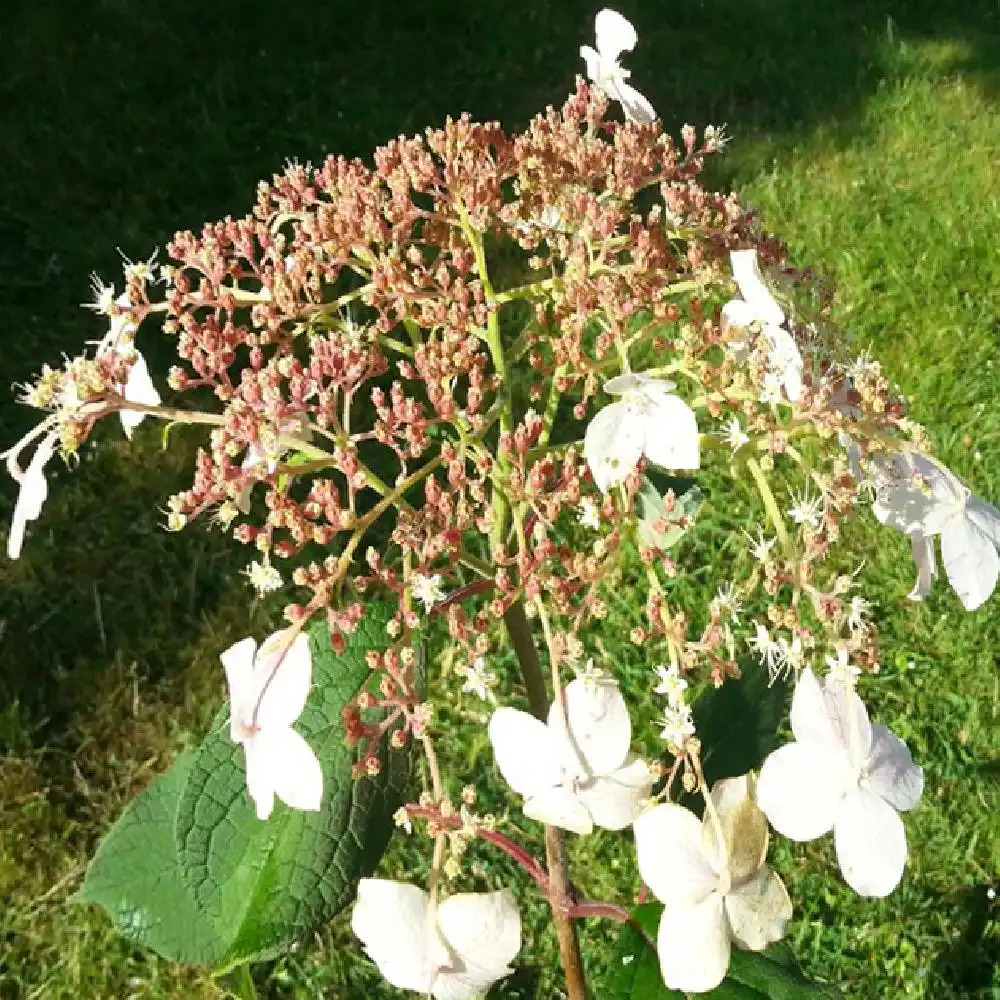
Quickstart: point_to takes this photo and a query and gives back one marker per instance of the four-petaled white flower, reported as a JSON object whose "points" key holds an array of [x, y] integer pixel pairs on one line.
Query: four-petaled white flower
{"points": [[716, 890], [616, 35], [922, 498], [453, 950], [758, 306], [268, 688], [843, 774], [480, 680], [138, 388], [427, 589], [671, 683], [33, 489], [577, 777], [648, 420]]}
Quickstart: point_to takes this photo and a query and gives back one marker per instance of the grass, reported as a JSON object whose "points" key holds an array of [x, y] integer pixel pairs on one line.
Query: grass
{"points": [[867, 133]]}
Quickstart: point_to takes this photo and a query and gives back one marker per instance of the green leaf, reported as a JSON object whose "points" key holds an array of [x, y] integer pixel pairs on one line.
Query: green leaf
{"points": [[136, 876], [635, 966], [191, 872], [738, 722], [652, 511], [266, 883], [772, 974]]}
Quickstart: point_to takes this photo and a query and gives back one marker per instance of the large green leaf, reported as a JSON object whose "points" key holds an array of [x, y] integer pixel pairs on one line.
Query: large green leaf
{"points": [[738, 722], [190, 860], [136, 877], [264, 884], [772, 974]]}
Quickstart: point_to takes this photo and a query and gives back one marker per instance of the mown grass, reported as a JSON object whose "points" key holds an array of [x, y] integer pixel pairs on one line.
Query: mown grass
{"points": [[868, 135]]}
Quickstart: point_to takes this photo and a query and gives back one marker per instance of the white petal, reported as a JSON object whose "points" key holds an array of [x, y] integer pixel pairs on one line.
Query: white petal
{"points": [[985, 516], [484, 932], [527, 752], [283, 684], [635, 105], [593, 60], [613, 443], [138, 388], [970, 561], [923, 555], [871, 844], [668, 845], [890, 772], [785, 360], [31, 495], [638, 382], [737, 313], [613, 800], [237, 661], [295, 773], [693, 945], [849, 718], [671, 434], [615, 34], [759, 911], [260, 766], [801, 789], [392, 920], [755, 293], [600, 730], [559, 807], [810, 716]]}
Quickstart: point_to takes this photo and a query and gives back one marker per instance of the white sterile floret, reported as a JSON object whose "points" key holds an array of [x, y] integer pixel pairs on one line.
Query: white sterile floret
{"points": [[138, 388], [268, 688], [32, 491], [648, 420], [453, 950], [922, 498], [580, 778], [616, 35], [427, 589], [757, 305], [843, 774], [717, 890]]}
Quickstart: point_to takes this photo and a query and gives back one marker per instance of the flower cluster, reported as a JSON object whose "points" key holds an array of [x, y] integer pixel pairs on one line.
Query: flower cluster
{"points": [[470, 378]]}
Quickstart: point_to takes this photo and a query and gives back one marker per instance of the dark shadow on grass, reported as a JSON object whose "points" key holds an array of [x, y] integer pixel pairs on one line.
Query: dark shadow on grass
{"points": [[971, 965]]}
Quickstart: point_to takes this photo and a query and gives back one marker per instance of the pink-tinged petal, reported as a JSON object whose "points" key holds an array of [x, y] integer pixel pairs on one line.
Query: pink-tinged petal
{"points": [[671, 434], [283, 675], [393, 922], [923, 556], [750, 281], [871, 844], [758, 910], [600, 730], [559, 807], [693, 945], [668, 846], [483, 930], [527, 752], [613, 443], [801, 789], [971, 561], [32, 494], [613, 800], [237, 661], [890, 772], [292, 767], [635, 105], [615, 34]]}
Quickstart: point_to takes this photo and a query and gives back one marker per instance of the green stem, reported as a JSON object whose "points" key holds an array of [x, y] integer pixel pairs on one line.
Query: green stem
{"points": [[770, 504]]}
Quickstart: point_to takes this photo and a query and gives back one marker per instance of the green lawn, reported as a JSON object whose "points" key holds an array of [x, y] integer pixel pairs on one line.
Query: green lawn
{"points": [[868, 135]]}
